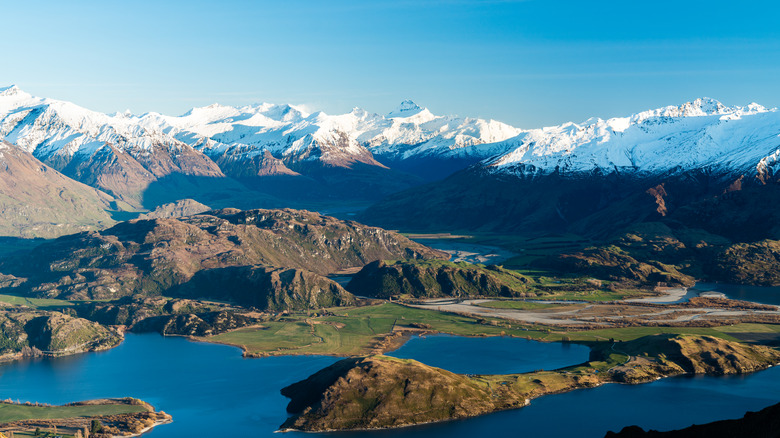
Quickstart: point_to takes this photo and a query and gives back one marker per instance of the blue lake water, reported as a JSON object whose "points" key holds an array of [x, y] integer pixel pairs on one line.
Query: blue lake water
{"points": [[667, 404], [203, 386], [212, 390], [757, 294], [494, 355]]}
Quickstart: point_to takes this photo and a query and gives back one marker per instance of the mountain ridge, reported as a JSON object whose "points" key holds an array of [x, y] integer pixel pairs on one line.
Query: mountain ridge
{"points": [[226, 156], [224, 133]]}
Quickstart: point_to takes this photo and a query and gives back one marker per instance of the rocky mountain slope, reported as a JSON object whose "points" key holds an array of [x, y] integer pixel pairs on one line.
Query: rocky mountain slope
{"points": [[589, 178], [38, 201], [150, 257], [730, 238], [112, 153]]}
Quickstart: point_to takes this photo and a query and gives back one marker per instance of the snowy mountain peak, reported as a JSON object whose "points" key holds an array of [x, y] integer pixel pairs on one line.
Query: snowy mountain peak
{"points": [[407, 108], [702, 106], [756, 108], [9, 91]]}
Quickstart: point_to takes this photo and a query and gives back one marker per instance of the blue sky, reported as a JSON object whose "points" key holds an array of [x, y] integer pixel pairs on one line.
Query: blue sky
{"points": [[528, 63]]}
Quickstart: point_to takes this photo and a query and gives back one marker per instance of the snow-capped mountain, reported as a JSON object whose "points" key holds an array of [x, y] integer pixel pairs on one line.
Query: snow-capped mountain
{"points": [[286, 151], [601, 175], [120, 154], [698, 134], [49, 126], [290, 133], [131, 152]]}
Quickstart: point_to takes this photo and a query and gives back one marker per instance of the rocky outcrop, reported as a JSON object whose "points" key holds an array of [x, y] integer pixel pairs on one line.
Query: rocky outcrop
{"points": [[435, 279], [756, 263], [652, 253], [688, 354], [168, 316], [128, 311], [614, 264]]}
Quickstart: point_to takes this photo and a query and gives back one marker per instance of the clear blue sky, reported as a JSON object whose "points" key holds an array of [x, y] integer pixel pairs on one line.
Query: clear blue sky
{"points": [[529, 63]]}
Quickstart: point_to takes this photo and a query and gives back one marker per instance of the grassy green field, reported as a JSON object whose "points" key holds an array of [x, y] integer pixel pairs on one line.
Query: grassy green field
{"points": [[594, 295], [354, 331], [14, 412], [631, 333], [516, 305], [351, 331], [43, 434], [38, 303]]}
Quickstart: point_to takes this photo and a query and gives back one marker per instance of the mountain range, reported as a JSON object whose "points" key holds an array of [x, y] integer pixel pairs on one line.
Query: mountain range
{"points": [[216, 150], [429, 171], [595, 177]]}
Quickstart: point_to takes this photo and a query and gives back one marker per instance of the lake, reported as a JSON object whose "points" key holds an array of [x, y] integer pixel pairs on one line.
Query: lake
{"points": [[756, 294], [506, 355], [211, 390]]}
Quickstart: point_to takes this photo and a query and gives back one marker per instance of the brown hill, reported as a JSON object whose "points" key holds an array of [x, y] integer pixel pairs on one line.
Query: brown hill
{"points": [[434, 279], [266, 289], [38, 201], [153, 256], [26, 333], [379, 391]]}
